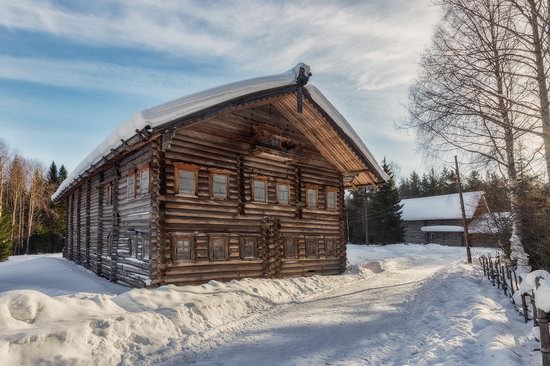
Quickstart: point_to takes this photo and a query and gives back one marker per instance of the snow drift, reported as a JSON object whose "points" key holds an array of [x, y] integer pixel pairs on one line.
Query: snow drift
{"points": [[100, 329]]}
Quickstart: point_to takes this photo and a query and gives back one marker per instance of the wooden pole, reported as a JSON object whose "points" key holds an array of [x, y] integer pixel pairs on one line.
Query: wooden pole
{"points": [[365, 218], [464, 222]]}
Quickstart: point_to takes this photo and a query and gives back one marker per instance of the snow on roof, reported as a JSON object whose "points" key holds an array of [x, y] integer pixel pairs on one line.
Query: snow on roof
{"points": [[444, 207], [442, 229], [164, 113], [488, 223]]}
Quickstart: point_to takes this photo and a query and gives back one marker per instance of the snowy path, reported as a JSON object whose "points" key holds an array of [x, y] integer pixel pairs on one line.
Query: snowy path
{"points": [[345, 326], [384, 320], [399, 305]]}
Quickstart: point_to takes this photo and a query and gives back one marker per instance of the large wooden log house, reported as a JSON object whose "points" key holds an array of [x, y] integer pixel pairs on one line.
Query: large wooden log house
{"points": [[243, 180]]}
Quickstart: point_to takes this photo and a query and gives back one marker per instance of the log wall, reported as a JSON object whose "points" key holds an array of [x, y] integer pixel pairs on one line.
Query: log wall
{"points": [[131, 239], [226, 143]]}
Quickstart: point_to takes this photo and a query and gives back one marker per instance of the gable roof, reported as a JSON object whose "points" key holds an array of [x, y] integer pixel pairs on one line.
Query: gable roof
{"points": [[443, 207], [156, 118]]}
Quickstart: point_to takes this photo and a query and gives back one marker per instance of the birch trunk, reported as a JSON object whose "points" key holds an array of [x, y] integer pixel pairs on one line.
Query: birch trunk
{"points": [[538, 51]]}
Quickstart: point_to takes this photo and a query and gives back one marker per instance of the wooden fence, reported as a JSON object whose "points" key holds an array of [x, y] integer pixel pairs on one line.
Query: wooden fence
{"points": [[504, 277]]}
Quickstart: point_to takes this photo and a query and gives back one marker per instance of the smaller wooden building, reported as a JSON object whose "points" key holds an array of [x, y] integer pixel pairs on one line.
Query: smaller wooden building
{"points": [[438, 219], [243, 180]]}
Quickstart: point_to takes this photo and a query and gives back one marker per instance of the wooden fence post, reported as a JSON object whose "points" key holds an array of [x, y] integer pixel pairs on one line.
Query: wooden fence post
{"points": [[524, 307], [542, 322]]}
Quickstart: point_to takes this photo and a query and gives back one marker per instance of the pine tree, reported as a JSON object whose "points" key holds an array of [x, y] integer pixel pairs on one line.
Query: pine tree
{"points": [[473, 182], [53, 177], [5, 242], [385, 222], [62, 175]]}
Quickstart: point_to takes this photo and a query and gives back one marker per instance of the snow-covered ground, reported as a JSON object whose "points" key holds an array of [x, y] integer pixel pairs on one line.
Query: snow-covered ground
{"points": [[396, 305]]}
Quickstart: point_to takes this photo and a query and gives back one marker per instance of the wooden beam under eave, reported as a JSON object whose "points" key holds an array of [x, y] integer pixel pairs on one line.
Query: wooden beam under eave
{"points": [[325, 138]]}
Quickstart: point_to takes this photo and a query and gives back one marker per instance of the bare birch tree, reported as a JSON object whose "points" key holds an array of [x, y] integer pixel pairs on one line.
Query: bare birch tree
{"points": [[464, 98]]}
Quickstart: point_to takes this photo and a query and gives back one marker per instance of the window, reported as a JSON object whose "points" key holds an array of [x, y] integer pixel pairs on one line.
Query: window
{"points": [[187, 182], [132, 247], [311, 198], [291, 248], [183, 248], [331, 199], [145, 248], [218, 248], [311, 247], [248, 248], [259, 190], [283, 194], [109, 244], [131, 186], [219, 185], [330, 247], [109, 194], [144, 181]]}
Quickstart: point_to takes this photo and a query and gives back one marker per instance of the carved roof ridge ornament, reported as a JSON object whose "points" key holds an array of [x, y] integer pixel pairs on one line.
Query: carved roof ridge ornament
{"points": [[301, 81]]}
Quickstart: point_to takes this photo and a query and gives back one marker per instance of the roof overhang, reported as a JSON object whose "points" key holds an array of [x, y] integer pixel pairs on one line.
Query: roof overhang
{"points": [[319, 120]]}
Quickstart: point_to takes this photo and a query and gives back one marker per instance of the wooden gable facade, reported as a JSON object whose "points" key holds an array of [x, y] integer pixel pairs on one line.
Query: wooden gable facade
{"points": [[249, 188]]}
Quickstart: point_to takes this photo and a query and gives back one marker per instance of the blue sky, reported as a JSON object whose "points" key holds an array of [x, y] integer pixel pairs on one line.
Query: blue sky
{"points": [[71, 71]]}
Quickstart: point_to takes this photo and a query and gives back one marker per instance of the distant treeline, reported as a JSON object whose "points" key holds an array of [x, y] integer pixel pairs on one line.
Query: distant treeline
{"points": [[29, 222]]}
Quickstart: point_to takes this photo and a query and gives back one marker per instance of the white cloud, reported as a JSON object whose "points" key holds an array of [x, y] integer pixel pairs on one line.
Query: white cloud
{"points": [[355, 48]]}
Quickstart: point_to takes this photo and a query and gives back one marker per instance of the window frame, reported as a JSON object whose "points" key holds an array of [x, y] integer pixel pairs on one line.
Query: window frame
{"points": [[140, 172], [211, 240], [178, 166], [316, 189], [333, 190], [109, 194], [334, 245], [131, 177], [226, 174], [254, 249], [279, 184], [253, 187], [174, 248], [295, 240], [316, 239]]}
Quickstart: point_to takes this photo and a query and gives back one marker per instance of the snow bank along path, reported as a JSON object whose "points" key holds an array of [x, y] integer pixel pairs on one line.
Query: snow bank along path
{"points": [[389, 308]]}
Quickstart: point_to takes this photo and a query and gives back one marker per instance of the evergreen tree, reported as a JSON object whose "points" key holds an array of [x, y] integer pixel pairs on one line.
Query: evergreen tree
{"points": [[385, 222], [473, 182], [405, 188], [5, 242], [62, 175], [53, 177], [414, 184]]}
